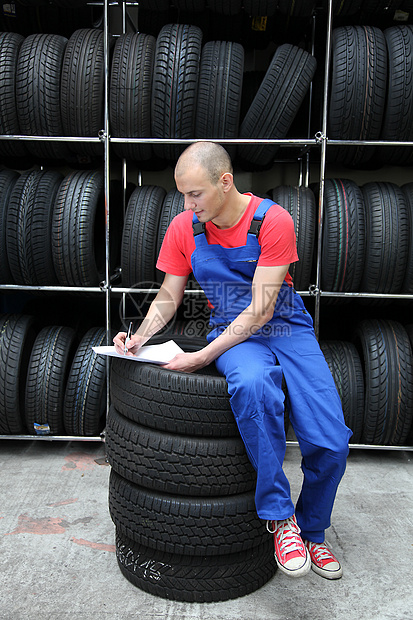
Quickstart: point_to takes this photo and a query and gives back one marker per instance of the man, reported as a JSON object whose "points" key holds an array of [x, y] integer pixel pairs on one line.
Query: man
{"points": [[239, 248]]}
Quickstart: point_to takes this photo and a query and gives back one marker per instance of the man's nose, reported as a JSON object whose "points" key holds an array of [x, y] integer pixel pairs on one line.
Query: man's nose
{"points": [[189, 204]]}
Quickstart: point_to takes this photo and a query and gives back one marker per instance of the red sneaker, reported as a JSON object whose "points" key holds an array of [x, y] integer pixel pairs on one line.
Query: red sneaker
{"points": [[323, 561], [290, 553]]}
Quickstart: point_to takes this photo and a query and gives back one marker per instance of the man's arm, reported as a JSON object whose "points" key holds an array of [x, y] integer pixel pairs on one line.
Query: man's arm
{"points": [[265, 288], [161, 310]]}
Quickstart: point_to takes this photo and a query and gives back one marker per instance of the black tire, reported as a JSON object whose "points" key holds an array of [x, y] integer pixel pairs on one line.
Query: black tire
{"points": [[344, 236], [185, 525], [175, 86], [10, 43], [345, 366], [300, 203], [219, 91], [85, 397], [358, 91], [17, 335], [8, 179], [276, 103], [407, 286], [172, 205], [39, 69], [29, 219], [177, 464], [176, 402], [46, 380], [78, 241], [82, 88], [194, 578], [398, 117], [131, 93], [387, 358], [387, 237], [139, 238]]}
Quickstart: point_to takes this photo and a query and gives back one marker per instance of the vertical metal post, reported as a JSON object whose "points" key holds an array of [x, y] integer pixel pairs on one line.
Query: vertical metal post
{"points": [[310, 108], [300, 173], [124, 166], [123, 17], [106, 183], [323, 168]]}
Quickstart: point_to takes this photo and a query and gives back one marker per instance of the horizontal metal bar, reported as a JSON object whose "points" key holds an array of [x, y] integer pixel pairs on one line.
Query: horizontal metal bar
{"points": [[364, 446], [113, 3], [187, 291], [52, 438], [121, 290], [288, 142], [259, 141], [367, 295], [367, 143], [51, 138], [151, 290], [57, 289]]}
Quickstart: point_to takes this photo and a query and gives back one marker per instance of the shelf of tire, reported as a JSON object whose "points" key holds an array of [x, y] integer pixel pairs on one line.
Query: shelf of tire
{"points": [[159, 54]]}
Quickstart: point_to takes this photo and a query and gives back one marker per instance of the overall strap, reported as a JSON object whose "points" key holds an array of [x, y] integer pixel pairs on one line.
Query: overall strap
{"points": [[198, 228], [259, 216]]}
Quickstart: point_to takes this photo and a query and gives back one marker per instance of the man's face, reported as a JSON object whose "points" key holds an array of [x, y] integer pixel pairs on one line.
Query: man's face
{"points": [[201, 196]]}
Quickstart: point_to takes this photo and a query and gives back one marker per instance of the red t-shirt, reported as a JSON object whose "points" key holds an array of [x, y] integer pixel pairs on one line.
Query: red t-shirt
{"points": [[277, 239]]}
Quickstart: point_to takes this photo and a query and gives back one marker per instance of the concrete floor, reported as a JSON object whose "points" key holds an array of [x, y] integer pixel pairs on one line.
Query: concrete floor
{"points": [[57, 554]]}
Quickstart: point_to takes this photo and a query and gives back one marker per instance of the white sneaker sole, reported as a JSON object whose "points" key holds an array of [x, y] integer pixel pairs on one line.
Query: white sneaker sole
{"points": [[297, 572], [327, 574]]}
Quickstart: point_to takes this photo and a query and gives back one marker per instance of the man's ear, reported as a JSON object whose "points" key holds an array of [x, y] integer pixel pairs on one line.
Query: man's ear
{"points": [[227, 181]]}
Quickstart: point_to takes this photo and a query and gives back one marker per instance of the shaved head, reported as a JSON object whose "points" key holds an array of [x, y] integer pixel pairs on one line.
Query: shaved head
{"points": [[209, 155]]}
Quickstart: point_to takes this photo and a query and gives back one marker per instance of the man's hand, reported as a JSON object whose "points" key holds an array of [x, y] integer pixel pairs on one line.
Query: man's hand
{"points": [[187, 362], [132, 346]]}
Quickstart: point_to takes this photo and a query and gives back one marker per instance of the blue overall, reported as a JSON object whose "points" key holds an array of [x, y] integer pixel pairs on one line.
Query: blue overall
{"points": [[254, 370]]}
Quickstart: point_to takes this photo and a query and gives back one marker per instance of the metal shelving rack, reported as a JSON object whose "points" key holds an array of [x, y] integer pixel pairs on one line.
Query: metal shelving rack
{"points": [[320, 141]]}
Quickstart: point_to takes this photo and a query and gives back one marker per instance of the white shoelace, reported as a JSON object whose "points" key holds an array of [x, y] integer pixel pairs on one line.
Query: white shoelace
{"points": [[288, 536], [322, 552]]}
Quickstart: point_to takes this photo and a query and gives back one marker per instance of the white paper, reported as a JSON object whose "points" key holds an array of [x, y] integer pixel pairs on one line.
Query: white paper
{"points": [[153, 353]]}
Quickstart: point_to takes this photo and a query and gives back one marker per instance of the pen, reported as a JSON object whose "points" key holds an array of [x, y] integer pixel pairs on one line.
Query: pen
{"points": [[128, 336]]}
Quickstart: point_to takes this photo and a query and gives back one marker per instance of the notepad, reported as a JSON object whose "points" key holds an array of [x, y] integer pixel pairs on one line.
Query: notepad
{"points": [[153, 353]]}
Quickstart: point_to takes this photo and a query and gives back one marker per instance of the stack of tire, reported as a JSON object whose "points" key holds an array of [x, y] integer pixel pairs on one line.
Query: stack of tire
{"points": [[168, 87], [50, 384], [51, 86], [181, 491], [374, 378], [371, 93], [367, 237], [52, 228], [196, 92]]}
